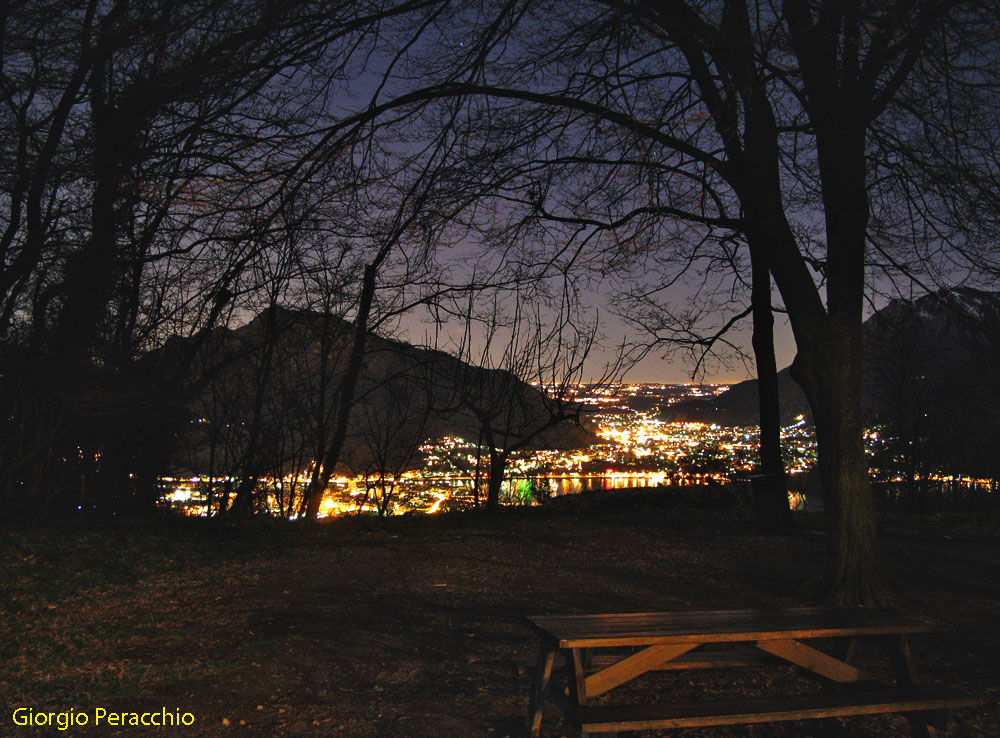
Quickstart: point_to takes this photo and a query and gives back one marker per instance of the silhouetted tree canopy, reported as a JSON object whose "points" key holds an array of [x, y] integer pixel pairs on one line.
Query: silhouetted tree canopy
{"points": [[157, 152], [837, 142]]}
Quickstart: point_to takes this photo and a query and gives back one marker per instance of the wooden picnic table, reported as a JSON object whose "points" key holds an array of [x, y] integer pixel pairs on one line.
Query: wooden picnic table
{"points": [[591, 648]]}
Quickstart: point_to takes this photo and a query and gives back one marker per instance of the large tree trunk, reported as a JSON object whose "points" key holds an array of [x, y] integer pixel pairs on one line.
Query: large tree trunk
{"points": [[828, 338], [90, 273], [770, 492], [853, 571]]}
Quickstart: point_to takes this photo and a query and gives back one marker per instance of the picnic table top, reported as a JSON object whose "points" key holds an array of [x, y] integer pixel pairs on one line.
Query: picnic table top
{"points": [[717, 626]]}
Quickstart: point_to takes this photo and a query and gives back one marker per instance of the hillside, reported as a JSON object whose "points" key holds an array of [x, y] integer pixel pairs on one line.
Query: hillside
{"points": [[738, 405], [282, 372], [946, 337], [931, 377]]}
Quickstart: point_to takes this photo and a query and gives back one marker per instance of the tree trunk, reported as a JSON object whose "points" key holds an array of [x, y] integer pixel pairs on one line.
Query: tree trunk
{"points": [[479, 456], [348, 385], [243, 499], [252, 468], [853, 571], [498, 462], [772, 516], [828, 338]]}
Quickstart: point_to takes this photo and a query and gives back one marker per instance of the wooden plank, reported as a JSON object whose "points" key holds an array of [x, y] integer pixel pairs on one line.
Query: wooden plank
{"points": [[812, 659], [594, 641], [632, 666], [731, 658], [539, 689], [711, 620], [905, 672], [720, 626], [716, 659], [799, 707], [675, 627]]}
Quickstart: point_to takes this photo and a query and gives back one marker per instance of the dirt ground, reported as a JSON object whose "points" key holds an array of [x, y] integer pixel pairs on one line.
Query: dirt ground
{"points": [[414, 626]]}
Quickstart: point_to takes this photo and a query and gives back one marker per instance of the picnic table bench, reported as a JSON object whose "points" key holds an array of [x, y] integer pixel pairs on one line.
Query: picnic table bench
{"points": [[590, 648]]}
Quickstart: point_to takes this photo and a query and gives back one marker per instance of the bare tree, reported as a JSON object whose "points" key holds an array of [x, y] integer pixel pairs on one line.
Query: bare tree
{"points": [[404, 208], [518, 372], [393, 420], [142, 139], [825, 133]]}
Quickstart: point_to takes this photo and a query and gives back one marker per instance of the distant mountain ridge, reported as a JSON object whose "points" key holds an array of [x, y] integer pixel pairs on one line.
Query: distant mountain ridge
{"points": [[738, 405], [947, 340], [282, 372]]}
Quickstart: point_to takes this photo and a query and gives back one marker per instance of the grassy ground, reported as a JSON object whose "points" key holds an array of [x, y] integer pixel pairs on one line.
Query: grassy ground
{"points": [[410, 627]]}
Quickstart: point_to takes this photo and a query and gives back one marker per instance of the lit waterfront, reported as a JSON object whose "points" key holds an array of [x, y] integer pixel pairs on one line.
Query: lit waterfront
{"points": [[633, 448], [417, 492]]}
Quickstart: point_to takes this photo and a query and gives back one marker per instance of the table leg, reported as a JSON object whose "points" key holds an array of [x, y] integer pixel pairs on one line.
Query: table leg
{"points": [[539, 688], [576, 676], [843, 650], [578, 660], [922, 725]]}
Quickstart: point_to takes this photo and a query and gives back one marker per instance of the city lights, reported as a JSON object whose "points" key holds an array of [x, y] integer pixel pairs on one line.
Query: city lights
{"points": [[633, 447]]}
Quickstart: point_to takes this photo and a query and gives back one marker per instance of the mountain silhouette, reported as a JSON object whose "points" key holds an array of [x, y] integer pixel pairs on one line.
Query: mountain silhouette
{"points": [[270, 389], [931, 379]]}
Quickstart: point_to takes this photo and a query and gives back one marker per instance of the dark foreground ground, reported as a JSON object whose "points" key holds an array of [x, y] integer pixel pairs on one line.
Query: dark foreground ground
{"points": [[412, 627]]}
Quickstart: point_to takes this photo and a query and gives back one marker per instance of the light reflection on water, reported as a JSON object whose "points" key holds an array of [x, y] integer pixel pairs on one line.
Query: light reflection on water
{"points": [[525, 489], [560, 486], [528, 490], [427, 493]]}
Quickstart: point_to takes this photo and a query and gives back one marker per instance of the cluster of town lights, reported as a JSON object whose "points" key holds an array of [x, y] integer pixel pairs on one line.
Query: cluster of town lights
{"points": [[632, 449]]}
